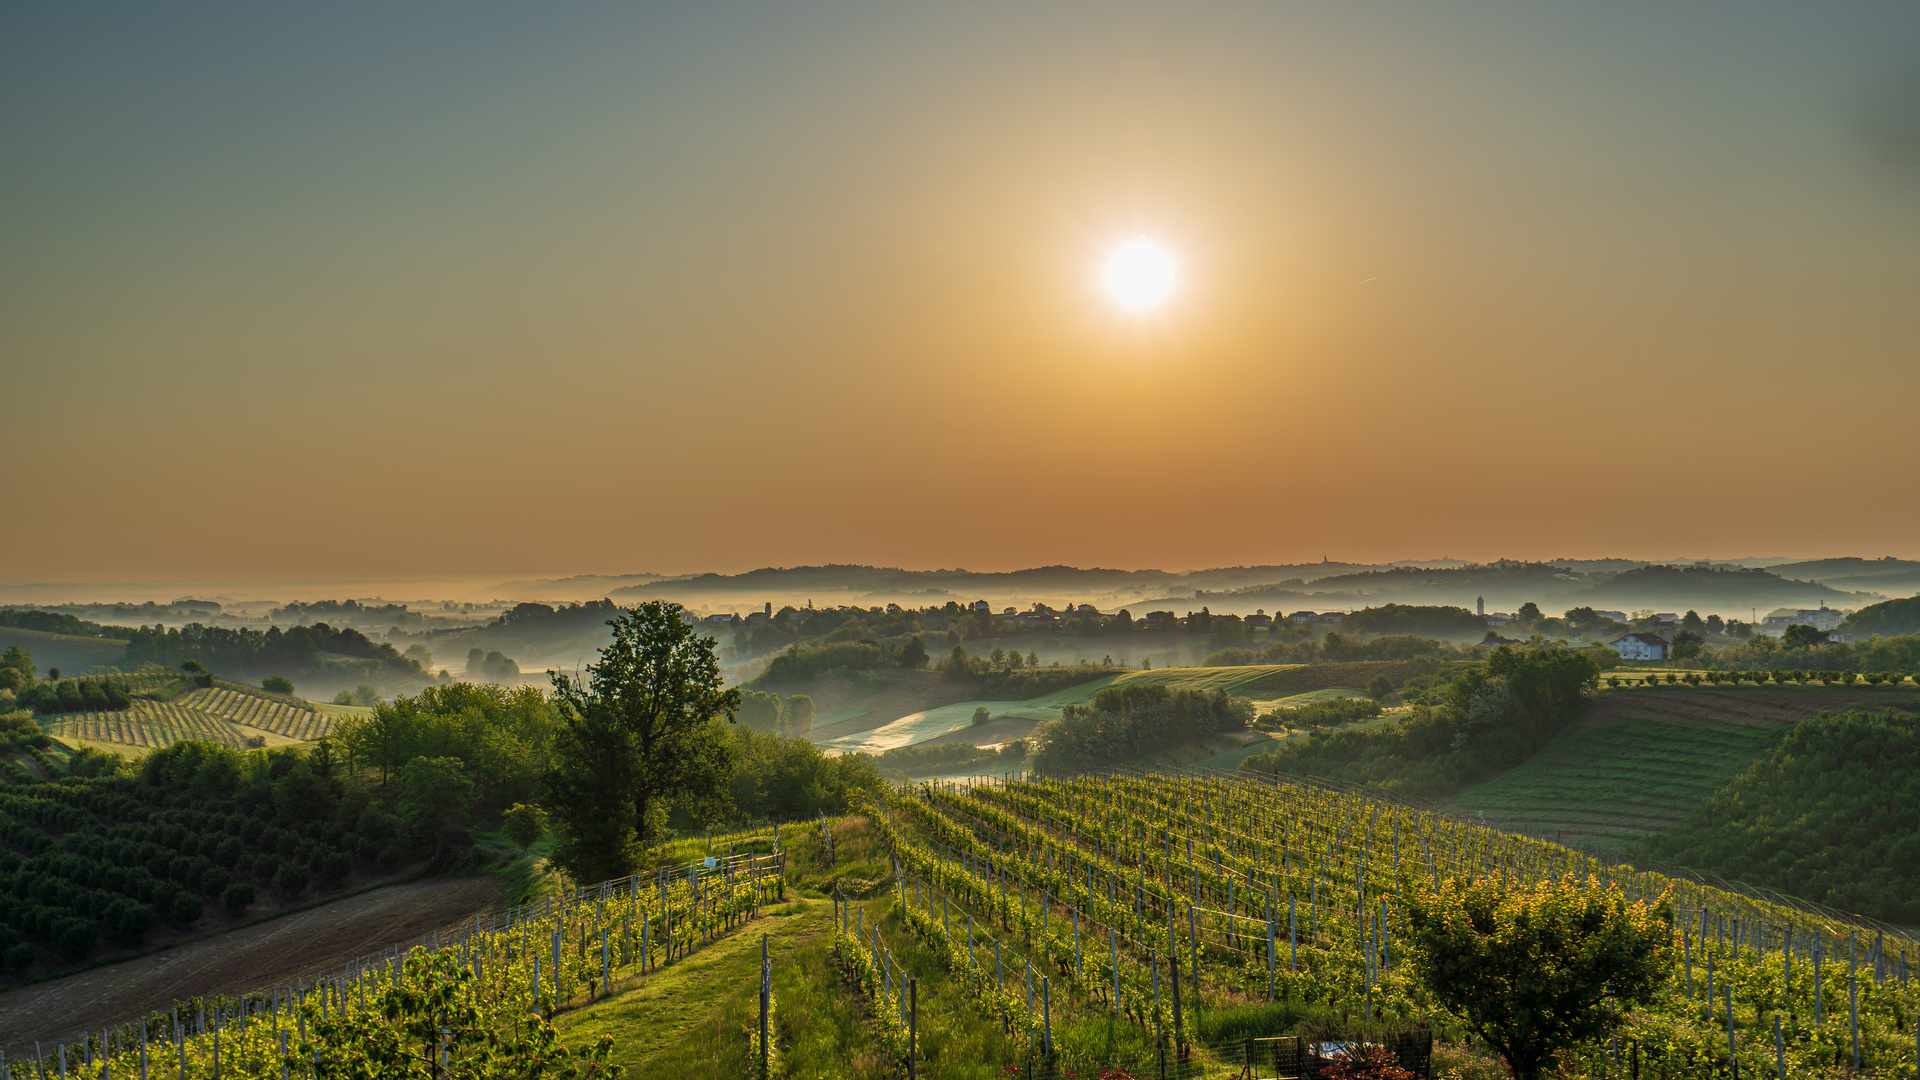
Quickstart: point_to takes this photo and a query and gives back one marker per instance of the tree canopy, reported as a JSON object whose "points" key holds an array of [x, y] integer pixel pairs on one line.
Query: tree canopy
{"points": [[641, 732], [1535, 968]]}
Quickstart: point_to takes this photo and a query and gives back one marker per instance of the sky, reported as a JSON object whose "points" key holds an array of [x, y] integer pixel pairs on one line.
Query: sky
{"points": [[366, 291]]}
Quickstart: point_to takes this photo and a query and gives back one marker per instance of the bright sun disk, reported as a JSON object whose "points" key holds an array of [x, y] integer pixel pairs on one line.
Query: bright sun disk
{"points": [[1139, 274]]}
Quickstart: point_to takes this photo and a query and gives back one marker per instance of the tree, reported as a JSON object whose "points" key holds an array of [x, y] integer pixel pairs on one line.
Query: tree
{"points": [[1380, 686], [277, 684], [799, 716], [1528, 614], [1800, 636], [419, 654], [650, 706], [1692, 623], [981, 715], [1686, 645], [1533, 969], [434, 789], [914, 656], [524, 825]]}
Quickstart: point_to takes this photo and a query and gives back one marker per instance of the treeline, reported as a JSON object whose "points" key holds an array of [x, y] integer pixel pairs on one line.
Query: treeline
{"points": [[196, 825], [1763, 653], [105, 694], [1322, 713], [1832, 814], [295, 650], [1125, 721], [1483, 720], [499, 740], [804, 663], [1008, 676], [791, 717], [784, 779], [1338, 648], [55, 622]]}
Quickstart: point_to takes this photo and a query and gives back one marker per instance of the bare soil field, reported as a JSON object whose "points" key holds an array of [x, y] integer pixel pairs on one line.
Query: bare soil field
{"points": [[252, 958]]}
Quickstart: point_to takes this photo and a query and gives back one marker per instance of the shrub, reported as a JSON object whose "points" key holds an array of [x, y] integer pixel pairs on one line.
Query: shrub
{"points": [[237, 898], [293, 879], [277, 684], [77, 937], [19, 956], [335, 866], [186, 908], [981, 715]]}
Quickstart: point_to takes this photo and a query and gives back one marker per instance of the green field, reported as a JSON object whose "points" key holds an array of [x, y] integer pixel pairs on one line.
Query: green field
{"points": [[1607, 786], [72, 655]]}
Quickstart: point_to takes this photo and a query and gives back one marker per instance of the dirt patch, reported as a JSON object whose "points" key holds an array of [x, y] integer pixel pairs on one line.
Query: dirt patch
{"points": [[1744, 707], [251, 958]]}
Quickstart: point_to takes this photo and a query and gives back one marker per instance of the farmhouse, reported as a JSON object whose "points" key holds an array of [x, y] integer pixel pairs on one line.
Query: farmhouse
{"points": [[1641, 647], [1260, 618]]}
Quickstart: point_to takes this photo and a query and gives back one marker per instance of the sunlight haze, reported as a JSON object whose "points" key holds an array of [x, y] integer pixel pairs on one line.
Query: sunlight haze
{"points": [[291, 290]]}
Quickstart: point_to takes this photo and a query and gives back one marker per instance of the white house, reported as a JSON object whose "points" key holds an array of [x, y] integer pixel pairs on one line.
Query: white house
{"points": [[1641, 647]]}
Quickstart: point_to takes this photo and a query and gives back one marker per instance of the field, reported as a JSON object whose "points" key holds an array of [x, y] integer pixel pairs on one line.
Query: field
{"points": [[1642, 758], [72, 655], [1267, 685], [225, 713], [302, 942]]}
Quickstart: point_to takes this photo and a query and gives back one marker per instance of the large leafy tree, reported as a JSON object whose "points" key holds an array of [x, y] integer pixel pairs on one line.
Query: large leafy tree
{"points": [[640, 733], [1536, 968]]}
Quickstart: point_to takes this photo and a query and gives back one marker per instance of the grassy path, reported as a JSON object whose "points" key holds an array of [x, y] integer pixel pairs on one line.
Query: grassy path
{"points": [[690, 1020]]}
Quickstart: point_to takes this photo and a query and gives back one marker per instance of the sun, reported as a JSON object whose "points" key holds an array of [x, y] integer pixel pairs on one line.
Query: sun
{"points": [[1139, 275]]}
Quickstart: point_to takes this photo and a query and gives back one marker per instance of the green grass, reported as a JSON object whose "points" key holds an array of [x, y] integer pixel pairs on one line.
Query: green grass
{"points": [[72, 655], [689, 1019], [1606, 787]]}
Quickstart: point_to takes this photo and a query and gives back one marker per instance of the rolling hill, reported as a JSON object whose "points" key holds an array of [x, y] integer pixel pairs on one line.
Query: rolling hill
{"points": [[1641, 760]]}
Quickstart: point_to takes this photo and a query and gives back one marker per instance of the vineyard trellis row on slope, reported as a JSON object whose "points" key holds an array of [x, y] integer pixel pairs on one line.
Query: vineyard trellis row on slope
{"points": [[531, 958], [1230, 850]]}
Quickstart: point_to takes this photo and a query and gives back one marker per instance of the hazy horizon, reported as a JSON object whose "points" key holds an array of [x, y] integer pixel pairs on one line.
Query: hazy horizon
{"points": [[364, 293]]}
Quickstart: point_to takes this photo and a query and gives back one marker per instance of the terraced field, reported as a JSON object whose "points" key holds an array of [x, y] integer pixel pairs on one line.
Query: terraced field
{"points": [[1643, 758]]}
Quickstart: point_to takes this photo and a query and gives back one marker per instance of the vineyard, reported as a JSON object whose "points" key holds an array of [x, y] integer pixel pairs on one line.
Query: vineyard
{"points": [[1159, 925], [1108, 919], [208, 714], [504, 975]]}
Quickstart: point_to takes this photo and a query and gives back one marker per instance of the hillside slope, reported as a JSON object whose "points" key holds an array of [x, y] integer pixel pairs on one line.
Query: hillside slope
{"points": [[1641, 760]]}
